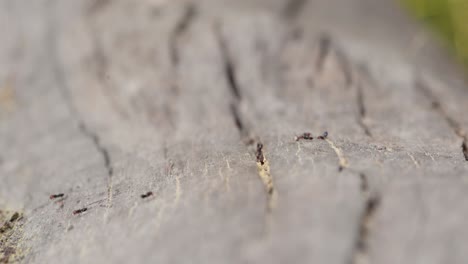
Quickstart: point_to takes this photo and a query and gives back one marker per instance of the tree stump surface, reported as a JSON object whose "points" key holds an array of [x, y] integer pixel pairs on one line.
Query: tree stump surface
{"points": [[106, 101]]}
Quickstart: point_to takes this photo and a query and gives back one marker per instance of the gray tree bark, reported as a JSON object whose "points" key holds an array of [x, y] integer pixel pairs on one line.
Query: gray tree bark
{"points": [[105, 101]]}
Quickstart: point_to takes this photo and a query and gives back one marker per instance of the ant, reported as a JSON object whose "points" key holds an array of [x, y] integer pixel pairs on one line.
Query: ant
{"points": [[260, 157], [54, 196], [324, 135], [79, 211], [306, 136], [146, 195]]}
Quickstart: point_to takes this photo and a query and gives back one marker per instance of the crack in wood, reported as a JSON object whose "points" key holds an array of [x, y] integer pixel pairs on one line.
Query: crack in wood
{"points": [[364, 183], [228, 64], [465, 149], [230, 76], [189, 14], [263, 166], [182, 25], [237, 119], [360, 253], [427, 92], [62, 83], [362, 111], [105, 156]]}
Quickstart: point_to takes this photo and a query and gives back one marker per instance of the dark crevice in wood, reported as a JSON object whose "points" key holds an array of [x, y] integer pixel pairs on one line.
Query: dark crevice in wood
{"points": [[362, 111], [230, 76], [263, 166], [98, 145], [228, 65], [189, 14], [465, 149], [62, 83], [293, 8], [435, 104], [361, 245], [229, 70], [237, 119], [181, 27], [364, 183]]}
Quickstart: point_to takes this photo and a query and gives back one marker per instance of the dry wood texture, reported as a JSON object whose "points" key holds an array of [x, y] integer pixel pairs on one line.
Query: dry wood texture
{"points": [[106, 101]]}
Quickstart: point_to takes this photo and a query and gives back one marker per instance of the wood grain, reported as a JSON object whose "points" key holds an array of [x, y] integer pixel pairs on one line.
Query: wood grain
{"points": [[105, 101]]}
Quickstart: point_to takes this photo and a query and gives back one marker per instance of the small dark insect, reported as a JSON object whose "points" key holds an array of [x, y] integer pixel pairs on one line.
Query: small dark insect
{"points": [[340, 168], [306, 136], [54, 196], [146, 195], [79, 211], [324, 135], [260, 157]]}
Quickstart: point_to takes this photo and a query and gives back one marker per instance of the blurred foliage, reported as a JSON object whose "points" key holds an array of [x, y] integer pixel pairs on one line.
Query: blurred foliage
{"points": [[449, 18]]}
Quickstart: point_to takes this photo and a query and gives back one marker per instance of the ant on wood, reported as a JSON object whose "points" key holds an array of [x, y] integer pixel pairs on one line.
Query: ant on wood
{"points": [[79, 211], [146, 195], [306, 136], [55, 196]]}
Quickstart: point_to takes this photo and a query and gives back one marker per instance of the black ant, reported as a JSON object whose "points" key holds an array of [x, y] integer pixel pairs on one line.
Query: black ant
{"points": [[306, 136], [324, 135], [260, 157], [54, 196], [79, 211], [146, 195]]}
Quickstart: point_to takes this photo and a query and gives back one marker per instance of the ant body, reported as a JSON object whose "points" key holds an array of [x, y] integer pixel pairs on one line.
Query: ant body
{"points": [[306, 136], [79, 211], [55, 196], [146, 195]]}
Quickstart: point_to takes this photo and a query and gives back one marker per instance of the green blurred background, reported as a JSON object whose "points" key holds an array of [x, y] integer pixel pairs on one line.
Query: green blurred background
{"points": [[448, 18]]}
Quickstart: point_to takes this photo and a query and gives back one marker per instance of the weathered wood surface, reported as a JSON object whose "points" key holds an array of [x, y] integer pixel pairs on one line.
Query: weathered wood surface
{"points": [[106, 100]]}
